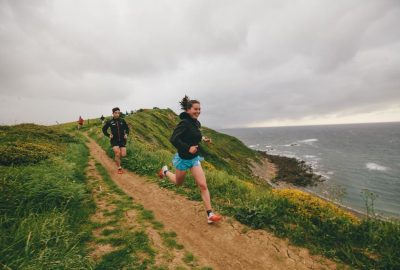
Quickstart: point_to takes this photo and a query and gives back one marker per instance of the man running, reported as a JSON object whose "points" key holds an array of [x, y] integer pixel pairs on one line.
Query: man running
{"points": [[118, 136], [80, 122]]}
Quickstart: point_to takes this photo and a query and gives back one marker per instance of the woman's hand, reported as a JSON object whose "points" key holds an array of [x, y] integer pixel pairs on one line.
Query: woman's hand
{"points": [[193, 149], [206, 139]]}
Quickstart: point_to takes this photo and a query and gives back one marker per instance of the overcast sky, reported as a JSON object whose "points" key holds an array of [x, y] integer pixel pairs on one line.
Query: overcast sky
{"points": [[250, 63]]}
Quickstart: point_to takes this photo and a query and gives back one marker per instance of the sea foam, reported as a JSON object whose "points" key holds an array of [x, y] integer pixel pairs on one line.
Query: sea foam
{"points": [[309, 156], [309, 141], [375, 167]]}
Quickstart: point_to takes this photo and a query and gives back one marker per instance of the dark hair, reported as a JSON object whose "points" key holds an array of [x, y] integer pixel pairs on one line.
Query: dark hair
{"points": [[187, 103], [115, 109]]}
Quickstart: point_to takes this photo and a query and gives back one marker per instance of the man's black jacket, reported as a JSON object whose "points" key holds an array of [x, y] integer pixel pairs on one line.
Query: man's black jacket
{"points": [[118, 129]]}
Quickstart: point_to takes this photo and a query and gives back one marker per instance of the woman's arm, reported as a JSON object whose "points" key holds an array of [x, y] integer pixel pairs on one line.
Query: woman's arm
{"points": [[176, 139]]}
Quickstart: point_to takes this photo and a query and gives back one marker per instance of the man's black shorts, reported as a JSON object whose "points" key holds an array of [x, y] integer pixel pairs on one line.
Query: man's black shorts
{"points": [[121, 143]]}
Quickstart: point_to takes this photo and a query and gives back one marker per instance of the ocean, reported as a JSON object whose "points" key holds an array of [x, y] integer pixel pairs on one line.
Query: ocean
{"points": [[353, 158]]}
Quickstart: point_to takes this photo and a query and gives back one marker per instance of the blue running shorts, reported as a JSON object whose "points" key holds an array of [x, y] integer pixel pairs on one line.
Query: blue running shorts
{"points": [[185, 164]]}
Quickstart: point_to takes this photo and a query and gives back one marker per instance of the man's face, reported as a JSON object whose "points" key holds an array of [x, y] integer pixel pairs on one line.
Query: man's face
{"points": [[116, 114]]}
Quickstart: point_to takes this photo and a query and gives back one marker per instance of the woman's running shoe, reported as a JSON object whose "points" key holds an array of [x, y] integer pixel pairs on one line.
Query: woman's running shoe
{"points": [[163, 171], [213, 218]]}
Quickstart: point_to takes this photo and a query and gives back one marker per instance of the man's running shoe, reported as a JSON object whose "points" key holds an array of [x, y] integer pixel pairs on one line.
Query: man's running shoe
{"points": [[120, 170], [162, 172], [213, 218]]}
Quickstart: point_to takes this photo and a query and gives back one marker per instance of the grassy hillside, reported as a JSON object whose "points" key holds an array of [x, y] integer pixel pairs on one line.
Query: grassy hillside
{"points": [[303, 218], [154, 127], [44, 203], [59, 211]]}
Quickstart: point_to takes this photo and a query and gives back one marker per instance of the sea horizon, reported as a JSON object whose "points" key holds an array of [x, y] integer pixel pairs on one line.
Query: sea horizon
{"points": [[313, 125]]}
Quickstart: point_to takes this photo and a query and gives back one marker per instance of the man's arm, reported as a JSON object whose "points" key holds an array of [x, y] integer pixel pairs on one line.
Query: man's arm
{"points": [[105, 127], [127, 130]]}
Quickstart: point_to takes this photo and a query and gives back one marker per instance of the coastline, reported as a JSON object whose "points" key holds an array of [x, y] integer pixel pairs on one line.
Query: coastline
{"points": [[268, 171]]}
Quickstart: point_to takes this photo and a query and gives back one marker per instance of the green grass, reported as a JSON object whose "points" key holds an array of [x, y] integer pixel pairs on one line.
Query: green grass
{"points": [[108, 232], [27, 144], [367, 244], [169, 239], [188, 258], [133, 244], [44, 202]]}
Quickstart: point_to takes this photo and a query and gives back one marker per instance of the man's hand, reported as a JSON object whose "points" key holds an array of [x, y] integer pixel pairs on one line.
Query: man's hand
{"points": [[126, 136], [111, 136], [193, 149]]}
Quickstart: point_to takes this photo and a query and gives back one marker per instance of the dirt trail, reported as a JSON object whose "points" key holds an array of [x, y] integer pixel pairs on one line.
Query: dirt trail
{"points": [[226, 245]]}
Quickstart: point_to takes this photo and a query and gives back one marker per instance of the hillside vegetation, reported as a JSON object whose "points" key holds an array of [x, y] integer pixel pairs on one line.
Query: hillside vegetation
{"points": [[304, 219], [59, 211], [154, 127], [44, 203]]}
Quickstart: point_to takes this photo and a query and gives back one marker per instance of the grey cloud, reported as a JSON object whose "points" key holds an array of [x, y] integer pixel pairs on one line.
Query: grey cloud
{"points": [[247, 62]]}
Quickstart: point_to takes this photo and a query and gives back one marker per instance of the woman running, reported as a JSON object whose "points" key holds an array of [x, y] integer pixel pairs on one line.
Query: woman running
{"points": [[186, 138]]}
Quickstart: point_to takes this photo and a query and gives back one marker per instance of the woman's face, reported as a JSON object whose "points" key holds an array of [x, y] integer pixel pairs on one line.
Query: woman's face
{"points": [[194, 112]]}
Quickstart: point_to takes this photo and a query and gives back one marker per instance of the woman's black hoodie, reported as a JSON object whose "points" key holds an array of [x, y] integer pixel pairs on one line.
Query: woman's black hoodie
{"points": [[186, 134]]}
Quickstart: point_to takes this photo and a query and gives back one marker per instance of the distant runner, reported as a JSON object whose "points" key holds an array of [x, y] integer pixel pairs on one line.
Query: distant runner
{"points": [[80, 122], [102, 118], [118, 136], [186, 138]]}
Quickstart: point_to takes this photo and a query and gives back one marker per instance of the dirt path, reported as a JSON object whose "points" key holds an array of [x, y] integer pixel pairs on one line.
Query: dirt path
{"points": [[118, 221], [227, 245]]}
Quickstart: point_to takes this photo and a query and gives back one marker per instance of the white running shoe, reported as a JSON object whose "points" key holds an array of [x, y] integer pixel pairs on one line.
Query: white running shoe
{"points": [[163, 171]]}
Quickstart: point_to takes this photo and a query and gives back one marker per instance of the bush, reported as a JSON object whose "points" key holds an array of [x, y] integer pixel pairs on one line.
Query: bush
{"points": [[29, 144], [24, 153], [34, 133]]}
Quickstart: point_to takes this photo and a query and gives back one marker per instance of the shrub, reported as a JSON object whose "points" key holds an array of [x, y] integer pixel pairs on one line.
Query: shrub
{"points": [[24, 153]]}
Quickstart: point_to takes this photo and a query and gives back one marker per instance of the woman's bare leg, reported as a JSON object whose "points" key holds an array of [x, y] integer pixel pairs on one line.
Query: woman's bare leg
{"points": [[176, 178], [200, 178]]}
